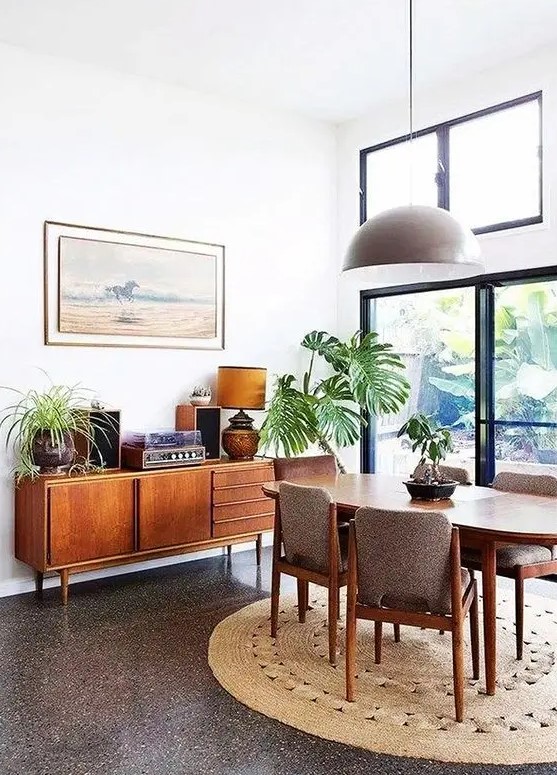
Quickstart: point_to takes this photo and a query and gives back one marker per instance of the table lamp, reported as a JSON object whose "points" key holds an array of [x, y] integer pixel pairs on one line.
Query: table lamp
{"points": [[241, 387]]}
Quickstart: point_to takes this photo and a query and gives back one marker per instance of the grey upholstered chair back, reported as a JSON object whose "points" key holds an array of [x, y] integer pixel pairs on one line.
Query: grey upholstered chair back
{"points": [[404, 559], [530, 484], [304, 513], [291, 468], [459, 475]]}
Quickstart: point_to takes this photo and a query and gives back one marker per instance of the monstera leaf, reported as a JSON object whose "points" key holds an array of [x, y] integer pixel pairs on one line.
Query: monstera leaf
{"points": [[367, 375]]}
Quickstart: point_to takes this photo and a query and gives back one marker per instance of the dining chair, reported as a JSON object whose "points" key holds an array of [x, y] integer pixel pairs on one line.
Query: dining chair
{"points": [[459, 475], [404, 568], [306, 526], [292, 468], [520, 561]]}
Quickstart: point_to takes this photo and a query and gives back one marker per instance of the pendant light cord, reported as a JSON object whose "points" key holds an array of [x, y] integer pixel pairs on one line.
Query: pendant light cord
{"points": [[411, 95], [411, 68]]}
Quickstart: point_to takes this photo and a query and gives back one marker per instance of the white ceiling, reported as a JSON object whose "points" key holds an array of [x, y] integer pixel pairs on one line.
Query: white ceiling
{"points": [[331, 59]]}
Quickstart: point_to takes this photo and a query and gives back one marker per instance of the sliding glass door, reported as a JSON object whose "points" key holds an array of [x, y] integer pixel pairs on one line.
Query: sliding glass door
{"points": [[481, 359], [434, 333], [525, 377]]}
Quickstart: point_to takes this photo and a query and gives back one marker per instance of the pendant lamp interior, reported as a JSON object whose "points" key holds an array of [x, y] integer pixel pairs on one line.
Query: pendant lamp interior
{"points": [[413, 243]]}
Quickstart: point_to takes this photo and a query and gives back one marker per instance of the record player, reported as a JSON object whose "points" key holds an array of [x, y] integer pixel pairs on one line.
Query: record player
{"points": [[162, 449]]}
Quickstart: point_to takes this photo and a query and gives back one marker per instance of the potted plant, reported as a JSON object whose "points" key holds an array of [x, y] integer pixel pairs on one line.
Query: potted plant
{"points": [[366, 375], [433, 441], [43, 426], [200, 395]]}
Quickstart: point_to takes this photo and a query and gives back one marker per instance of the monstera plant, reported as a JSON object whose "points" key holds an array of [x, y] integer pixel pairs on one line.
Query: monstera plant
{"points": [[363, 374]]}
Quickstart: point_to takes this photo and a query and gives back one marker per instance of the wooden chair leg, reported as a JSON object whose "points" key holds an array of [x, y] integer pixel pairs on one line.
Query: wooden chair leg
{"points": [[258, 545], [475, 634], [519, 614], [275, 595], [350, 650], [303, 593], [378, 640], [332, 620], [458, 670], [338, 603], [396, 628]]}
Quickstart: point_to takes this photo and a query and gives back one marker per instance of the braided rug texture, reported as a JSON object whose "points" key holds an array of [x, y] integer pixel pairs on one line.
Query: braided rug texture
{"points": [[404, 706]]}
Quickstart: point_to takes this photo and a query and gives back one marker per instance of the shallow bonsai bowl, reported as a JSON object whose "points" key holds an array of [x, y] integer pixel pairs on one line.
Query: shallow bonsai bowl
{"points": [[430, 492]]}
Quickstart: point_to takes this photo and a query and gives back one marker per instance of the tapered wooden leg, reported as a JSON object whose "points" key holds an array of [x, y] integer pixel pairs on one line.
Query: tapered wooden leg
{"points": [[458, 671], [338, 603], [64, 579], [475, 634], [303, 594], [519, 615], [258, 545], [378, 641], [275, 595], [350, 652], [489, 587], [396, 628], [229, 551], [332, 617], [39, 584]]}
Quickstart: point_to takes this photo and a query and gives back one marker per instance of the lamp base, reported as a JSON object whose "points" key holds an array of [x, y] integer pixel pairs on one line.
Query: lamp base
{"points": [[240, 439]]}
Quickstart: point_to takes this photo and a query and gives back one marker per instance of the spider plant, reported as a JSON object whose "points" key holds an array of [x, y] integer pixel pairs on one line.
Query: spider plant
{"points": [[328, 412], [55, 417]]}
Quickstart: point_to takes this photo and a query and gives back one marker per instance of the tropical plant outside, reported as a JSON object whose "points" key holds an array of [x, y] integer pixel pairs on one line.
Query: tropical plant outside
{"points": [[437, 329], [363, 374], [56, 412]]}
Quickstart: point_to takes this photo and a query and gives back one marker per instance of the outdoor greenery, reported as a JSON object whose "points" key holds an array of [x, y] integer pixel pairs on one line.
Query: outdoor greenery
{"points": [[433, 441], [58, 411], [525, 369], [362, 373]]}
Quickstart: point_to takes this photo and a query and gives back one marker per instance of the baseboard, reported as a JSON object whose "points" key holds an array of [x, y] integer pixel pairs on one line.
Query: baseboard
{"points": [[22, 586]]}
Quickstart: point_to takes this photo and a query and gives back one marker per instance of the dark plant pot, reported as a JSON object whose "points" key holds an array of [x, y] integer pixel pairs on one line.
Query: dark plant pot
{"points": [[430, 492], [52, 459], [547, 456]]}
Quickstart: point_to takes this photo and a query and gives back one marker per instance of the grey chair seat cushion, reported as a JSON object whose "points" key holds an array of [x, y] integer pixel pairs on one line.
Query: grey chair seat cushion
{"points": [[509, 556], [406, 601]]}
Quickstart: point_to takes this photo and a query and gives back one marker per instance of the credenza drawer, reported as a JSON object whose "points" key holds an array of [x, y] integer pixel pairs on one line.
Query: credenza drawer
{"points": [[236, 527], [251, 475], [246, 492], [247, 509]]}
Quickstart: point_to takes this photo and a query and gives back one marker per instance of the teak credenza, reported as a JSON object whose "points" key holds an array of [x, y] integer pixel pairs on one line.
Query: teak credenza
{"points": [[70, 524]]}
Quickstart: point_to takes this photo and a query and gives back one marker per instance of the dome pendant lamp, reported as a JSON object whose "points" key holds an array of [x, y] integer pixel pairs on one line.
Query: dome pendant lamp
{"points": [[413, 243]]}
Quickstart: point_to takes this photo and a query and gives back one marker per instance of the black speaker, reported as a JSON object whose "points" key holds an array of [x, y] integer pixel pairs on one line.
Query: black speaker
{"points": [[105, 432], [205, 419]]}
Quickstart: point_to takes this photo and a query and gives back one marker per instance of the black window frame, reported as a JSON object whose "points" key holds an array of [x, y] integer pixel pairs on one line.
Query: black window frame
{"points": [[486, 423], [442, 131]]}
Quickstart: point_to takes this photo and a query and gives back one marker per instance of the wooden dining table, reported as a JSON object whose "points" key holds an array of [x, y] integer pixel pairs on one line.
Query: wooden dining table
{"points": [[486, 519]]}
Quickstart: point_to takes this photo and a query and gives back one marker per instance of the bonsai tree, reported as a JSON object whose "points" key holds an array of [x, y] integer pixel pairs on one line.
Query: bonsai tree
{"points": [[366, 378], [433, 442], [43, 426]]}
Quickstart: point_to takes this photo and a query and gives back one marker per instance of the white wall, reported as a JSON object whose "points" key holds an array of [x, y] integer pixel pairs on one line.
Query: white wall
{"points": [[507, 250], [85, 145]]}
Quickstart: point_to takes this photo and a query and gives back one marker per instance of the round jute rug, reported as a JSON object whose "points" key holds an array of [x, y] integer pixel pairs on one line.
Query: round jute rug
{"points": [[405, 705]]}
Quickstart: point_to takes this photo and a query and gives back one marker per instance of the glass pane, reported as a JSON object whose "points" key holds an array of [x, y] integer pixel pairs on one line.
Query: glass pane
{"points": [[494, 167], [526, 450], [434, 333], [399, 176], [525, 369]]}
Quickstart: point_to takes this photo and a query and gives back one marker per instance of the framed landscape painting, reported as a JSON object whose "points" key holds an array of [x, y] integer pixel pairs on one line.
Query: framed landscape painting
{"points": [[120, 289]]}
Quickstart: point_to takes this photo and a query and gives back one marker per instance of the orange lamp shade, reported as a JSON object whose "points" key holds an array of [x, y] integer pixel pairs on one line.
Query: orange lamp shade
{"points": [[241, 387]]}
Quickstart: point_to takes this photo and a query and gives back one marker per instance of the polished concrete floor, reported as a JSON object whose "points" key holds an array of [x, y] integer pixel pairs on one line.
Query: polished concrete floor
{"points": [[118, 683]]}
